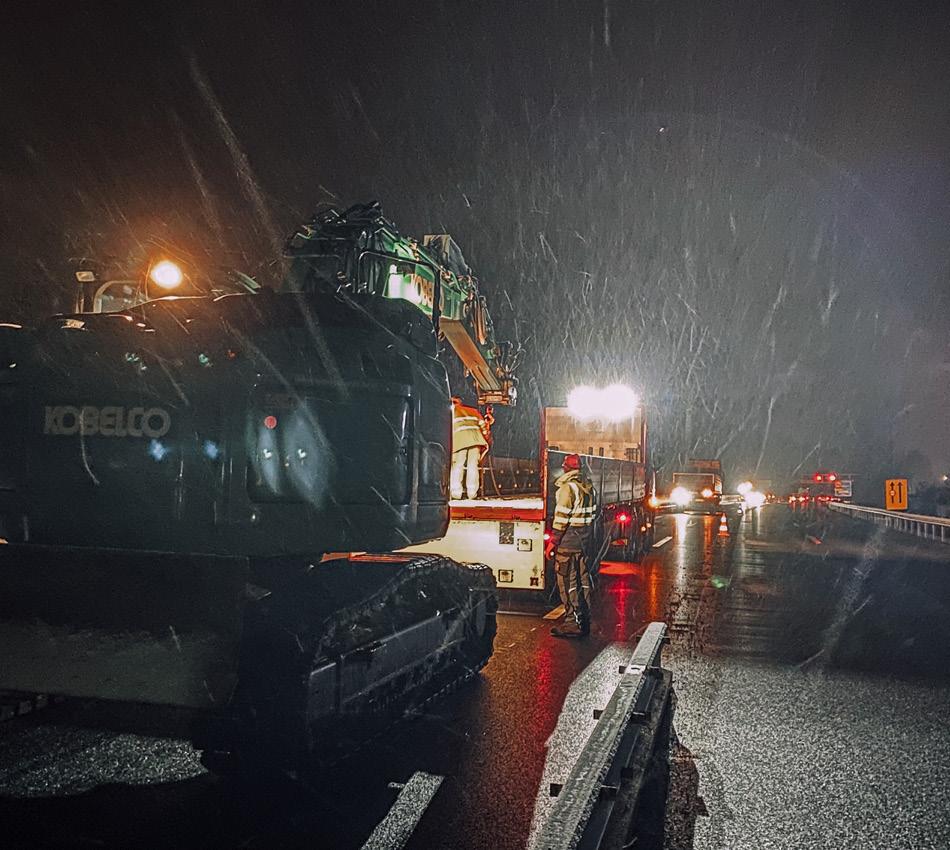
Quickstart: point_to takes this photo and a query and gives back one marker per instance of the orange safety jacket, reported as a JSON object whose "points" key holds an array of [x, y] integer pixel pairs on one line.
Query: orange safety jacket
{"points": [[469, 428]]}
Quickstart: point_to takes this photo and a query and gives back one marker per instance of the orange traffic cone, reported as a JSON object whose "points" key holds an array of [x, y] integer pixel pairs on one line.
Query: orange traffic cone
{"points": [[723, 525]]}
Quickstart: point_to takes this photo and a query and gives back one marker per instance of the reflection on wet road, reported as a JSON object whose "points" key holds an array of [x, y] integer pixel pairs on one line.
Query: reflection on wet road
{"points": [[810, 660]]}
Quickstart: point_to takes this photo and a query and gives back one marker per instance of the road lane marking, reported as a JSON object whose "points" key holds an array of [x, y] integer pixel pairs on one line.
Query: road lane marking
{"points": [[508, 613], [662, 542], [394, 830], [557, 612]]}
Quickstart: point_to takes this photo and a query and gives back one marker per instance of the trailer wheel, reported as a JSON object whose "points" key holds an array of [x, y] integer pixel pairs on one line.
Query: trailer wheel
{"points": [[634, 547]]}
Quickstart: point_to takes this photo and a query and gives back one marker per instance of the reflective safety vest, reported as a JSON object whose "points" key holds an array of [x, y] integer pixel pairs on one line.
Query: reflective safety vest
{"points": [[468, 428], [575, 506]]}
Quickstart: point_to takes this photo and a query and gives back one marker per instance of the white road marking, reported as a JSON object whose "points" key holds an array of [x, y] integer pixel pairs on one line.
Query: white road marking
{"points": [[557, 612], [394, 830], [660, 543]]}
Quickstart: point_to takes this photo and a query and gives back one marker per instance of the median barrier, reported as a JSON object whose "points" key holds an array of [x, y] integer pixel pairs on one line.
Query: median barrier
{"points": [[619, 783]]}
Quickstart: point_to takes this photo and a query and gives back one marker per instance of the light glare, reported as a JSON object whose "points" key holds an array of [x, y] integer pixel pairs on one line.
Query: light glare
{"points": [[612, 404], [166, 274], [681, 496]]}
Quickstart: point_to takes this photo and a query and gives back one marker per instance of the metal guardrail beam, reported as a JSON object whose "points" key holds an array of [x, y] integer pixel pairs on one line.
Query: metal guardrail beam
{"points": [[613, 765], [929, 527]]}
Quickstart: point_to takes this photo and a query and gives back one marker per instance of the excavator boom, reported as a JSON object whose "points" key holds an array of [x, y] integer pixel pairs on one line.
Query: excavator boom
{"points": [[361, 251]]}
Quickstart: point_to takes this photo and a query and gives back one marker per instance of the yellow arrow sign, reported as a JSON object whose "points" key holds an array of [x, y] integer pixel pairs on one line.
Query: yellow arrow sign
{"points": [[895, 494]]}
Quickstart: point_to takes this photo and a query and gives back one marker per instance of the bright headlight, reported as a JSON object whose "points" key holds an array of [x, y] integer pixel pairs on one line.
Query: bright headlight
{"points": [[681, 496]]}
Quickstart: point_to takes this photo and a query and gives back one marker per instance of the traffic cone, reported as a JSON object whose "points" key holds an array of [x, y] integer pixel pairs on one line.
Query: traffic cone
{"points": [[723, 525]]}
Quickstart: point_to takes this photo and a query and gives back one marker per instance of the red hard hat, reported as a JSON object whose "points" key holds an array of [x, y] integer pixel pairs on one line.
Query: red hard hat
{"points": [[572, 462]]}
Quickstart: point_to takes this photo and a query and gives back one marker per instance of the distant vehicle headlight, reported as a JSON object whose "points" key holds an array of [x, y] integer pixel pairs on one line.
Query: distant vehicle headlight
{"points": [[706, 493], [681, 496]]}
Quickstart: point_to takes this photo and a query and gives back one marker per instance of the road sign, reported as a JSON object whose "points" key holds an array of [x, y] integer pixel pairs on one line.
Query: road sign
{"points": [[895, 494]]}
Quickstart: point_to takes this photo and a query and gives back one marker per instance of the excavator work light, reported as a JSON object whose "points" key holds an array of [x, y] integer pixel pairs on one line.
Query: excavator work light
{"points": [[166, 274]]}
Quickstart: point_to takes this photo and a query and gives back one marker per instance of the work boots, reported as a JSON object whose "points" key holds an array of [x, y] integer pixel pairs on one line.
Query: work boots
{"points": [[572, 630]]}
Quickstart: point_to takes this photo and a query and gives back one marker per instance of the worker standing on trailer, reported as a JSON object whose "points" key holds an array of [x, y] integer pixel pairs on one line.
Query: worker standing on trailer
{"points": [[470, 433], [574, 515]]}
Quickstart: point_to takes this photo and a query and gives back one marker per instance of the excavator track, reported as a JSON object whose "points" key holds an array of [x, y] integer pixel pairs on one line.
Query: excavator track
{"points": [[336, 651]]}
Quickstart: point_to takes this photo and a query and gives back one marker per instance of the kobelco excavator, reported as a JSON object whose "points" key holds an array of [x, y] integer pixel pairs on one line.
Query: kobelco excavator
{"points": [[202, 499]]}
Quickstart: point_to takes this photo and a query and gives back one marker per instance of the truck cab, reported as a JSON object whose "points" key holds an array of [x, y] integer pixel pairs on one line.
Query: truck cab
{"points": [[698, 487]]}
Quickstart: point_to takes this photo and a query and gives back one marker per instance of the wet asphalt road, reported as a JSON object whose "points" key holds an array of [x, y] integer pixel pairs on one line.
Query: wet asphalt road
{"points": [[810, 660]]}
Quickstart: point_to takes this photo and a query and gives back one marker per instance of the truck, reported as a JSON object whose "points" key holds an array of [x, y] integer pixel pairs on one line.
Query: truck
{"points": [[697, 488], [203, 499], [823, 486], [507, 531]]}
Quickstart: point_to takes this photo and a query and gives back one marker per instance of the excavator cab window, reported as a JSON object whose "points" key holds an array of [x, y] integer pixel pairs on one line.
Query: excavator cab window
{"points": [[318, 273]]}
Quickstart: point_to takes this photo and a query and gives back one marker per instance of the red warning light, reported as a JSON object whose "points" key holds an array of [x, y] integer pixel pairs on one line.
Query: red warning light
{"points": [[622, 518], [270, 422], [832, 477], [817, 477]]}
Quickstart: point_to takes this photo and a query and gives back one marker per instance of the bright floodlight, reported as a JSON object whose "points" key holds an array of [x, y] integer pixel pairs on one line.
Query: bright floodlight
{"points": [[745, 487], [166, 274], [613, 404], [582, 402], [618, 402]]}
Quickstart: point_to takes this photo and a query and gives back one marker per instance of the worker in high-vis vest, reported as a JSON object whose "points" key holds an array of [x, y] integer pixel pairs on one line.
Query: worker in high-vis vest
{"points": [[470, 432], [574, 514]]}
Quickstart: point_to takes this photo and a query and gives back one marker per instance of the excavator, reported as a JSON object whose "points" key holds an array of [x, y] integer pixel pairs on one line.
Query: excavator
{"points": [[203, 499]]}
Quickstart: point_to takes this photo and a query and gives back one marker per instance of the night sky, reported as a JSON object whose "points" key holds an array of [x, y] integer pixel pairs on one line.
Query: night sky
{"points": [[742, 209]]}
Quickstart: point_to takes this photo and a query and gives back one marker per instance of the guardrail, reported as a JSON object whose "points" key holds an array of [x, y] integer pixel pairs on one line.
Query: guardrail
{"points": [[597, 806], [930, 527]]}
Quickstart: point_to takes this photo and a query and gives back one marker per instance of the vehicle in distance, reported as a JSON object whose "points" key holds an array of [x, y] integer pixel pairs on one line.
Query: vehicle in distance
{"points": [[698, 487], [822, 487]]}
